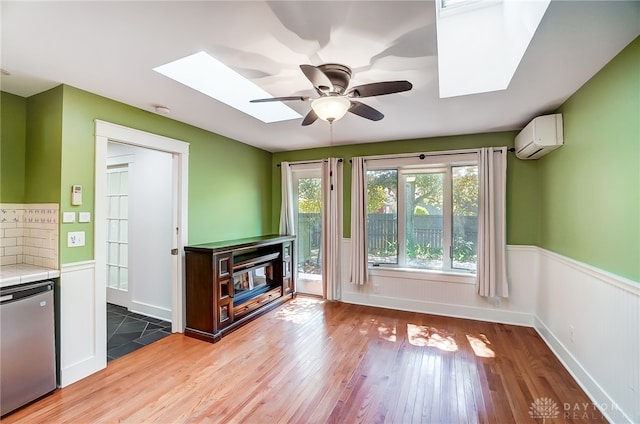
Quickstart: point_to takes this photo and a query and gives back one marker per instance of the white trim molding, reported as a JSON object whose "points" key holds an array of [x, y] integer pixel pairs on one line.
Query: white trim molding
{"points": [[106, 132], [115, 132], [633, 287]]}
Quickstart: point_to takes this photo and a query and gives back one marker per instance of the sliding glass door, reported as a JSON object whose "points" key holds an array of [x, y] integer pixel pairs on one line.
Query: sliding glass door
{"points": [[307, 195]]}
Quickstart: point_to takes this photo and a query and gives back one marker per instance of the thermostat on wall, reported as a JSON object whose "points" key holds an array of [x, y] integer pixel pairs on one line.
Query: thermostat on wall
{"points": [[76, 195]]}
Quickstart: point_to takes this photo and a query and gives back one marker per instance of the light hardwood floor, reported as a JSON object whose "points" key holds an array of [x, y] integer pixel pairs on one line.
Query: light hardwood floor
{"points": [[311, 361]]}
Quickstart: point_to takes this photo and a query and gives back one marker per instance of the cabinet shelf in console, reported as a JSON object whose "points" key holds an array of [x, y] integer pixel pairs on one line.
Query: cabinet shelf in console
{"points": [[253, 259], [232, 282]]}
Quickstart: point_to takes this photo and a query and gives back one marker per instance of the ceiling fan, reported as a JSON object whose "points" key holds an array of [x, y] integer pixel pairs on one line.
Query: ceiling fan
{"points": [[331, 81]]}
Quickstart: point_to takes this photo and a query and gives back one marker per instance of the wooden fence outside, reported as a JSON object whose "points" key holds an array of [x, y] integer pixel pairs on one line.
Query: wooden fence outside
{"points": [[382, 232]]}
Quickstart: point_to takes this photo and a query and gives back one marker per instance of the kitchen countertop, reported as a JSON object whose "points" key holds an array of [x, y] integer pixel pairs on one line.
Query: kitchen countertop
{"points": [[11, 275]]}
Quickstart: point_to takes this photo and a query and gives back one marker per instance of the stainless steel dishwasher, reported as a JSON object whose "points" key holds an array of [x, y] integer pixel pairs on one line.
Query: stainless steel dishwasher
{"points": [[27, 344]]}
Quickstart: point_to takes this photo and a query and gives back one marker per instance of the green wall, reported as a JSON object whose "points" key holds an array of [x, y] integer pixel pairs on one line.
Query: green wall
{"points": [[13, 139], [43, 149], [223, 203], [57, 151], [590, 187], [31, 134], [522, 186]]}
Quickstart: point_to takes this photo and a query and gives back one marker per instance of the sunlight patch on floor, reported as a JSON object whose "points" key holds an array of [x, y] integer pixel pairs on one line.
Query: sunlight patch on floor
{"points": [[299, 310], [387, 333], [480, 346], [421, 335]]}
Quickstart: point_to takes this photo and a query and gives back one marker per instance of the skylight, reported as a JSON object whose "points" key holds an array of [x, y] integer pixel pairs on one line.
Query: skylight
{"points": [[209, 76], [481, 42]]}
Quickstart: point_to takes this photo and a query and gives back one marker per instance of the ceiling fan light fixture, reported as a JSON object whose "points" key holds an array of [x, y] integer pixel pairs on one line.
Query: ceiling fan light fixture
{"points": [[330, 108]]}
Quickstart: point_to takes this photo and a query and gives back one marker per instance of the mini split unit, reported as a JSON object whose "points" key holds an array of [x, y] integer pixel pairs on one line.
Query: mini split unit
{"points": [[540, 136]]}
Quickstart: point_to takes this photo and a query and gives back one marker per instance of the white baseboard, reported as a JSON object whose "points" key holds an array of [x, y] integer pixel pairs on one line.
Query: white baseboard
{"points": [[444, 309], [151, 310]]}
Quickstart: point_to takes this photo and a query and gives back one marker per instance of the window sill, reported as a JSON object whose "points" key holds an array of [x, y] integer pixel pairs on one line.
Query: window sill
{"points": [[423, 274]]}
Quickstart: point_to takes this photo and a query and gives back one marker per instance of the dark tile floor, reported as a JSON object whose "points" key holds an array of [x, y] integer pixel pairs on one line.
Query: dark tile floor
{"points": [[128, 331]]}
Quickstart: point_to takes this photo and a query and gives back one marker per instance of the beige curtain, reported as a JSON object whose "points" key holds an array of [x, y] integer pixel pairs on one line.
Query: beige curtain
{"points": [[286, 206], [492, 180], [331, 228], [358, 262]]}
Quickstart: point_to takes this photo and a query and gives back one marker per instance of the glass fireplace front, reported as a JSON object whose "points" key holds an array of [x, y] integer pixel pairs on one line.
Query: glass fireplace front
{"points": [[251, 283]]}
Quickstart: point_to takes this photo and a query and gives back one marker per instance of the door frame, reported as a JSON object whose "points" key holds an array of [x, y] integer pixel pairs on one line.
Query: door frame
{"points": [[106, 132]]}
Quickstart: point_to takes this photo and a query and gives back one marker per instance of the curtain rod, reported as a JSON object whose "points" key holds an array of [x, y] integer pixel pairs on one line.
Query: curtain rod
{"points": [[422, 155], [309, 162]]}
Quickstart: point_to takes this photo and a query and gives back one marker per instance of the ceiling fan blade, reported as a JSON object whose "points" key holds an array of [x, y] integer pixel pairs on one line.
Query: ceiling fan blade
{"points": [[379, 88], [365, 111], [310, 118], [319, 79], [280, 99]]}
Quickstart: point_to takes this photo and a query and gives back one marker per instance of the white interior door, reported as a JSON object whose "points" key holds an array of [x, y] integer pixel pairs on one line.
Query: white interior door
{"points": [[307, 195]]}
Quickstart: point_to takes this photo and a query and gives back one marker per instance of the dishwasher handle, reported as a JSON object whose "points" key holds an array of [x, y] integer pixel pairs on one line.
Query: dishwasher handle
{"points": [[16, 293]]}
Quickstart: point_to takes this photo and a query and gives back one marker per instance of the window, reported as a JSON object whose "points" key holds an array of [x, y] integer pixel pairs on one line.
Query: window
{"points": [[423, 216]]}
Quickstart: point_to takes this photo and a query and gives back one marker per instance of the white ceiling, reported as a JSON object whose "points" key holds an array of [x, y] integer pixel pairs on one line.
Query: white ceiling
{"points": [[110, 49]]}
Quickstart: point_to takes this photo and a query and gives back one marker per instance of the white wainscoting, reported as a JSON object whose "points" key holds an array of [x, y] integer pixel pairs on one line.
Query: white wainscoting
{"points": [[550, 293], [604, 311], [455, 296], [82, 341]]}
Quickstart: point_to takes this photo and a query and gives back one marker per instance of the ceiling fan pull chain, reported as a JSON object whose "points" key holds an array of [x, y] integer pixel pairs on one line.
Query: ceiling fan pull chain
{"points": [[331, 133]]}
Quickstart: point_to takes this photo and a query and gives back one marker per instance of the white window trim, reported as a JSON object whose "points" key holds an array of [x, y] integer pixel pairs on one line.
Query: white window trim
{"points": [[422, 274]]}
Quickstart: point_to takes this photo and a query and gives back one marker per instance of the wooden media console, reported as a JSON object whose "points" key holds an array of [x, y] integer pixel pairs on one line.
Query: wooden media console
{"points": [[229, 283]]}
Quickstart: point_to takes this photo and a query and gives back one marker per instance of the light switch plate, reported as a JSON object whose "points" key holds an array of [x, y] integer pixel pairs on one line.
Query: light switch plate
{"points": [[75, 239], [68, 217], [84, 217]]}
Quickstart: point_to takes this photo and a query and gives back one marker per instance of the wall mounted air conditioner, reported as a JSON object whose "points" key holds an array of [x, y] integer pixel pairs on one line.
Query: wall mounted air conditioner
{"points": [[539, 137]]}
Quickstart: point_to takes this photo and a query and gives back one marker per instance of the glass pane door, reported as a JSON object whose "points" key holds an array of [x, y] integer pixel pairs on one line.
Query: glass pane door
{"points": [[308, 223], [118, 228]]}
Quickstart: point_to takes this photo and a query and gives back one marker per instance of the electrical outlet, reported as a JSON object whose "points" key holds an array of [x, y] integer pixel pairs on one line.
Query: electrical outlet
{"points": [[376, 288], [497, 302], [75, 239], [571, 335]]}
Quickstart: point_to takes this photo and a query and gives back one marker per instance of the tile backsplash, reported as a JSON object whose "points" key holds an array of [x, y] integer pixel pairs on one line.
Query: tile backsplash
{"points": [[29, 234]]}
